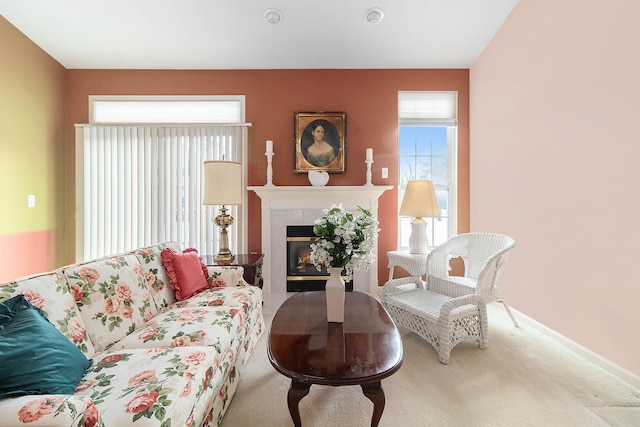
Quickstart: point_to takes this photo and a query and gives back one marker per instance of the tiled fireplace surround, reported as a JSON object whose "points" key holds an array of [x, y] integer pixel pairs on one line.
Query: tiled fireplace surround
{"points": [[302, 205]]}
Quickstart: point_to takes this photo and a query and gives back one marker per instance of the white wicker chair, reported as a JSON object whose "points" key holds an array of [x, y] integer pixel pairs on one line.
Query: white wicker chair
{"points": [[484, 255], [443, 321]]}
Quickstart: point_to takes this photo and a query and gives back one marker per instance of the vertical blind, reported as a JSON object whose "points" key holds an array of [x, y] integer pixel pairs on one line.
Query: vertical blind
{"points": [[142, 185]]}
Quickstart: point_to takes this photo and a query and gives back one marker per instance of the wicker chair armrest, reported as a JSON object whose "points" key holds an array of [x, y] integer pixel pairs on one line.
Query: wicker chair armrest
{"points": [[471, 299], [403, 284]]}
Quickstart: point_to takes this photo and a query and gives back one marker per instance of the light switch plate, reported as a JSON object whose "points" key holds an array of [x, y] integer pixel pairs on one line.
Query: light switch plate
{"points": [[31, 201], [385, 173]]}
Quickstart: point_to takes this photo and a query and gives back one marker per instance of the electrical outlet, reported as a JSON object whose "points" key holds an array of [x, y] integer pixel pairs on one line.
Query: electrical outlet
{"points": [[31, 201], [385, 173]]}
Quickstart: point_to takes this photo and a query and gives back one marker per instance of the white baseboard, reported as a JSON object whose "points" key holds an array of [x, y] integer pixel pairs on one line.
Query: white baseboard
{"points": [[618, 371]]}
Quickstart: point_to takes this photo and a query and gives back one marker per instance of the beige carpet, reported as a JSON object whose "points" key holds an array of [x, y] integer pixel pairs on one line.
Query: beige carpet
{"points": [[522, 379]]}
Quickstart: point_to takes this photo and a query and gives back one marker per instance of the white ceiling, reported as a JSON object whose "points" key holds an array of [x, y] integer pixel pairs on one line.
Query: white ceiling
{"points": [[233, 34]]}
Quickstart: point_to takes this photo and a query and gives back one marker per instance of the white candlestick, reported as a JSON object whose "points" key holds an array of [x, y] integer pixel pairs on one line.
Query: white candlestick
{"points": [[269, 146], [269, 169], [368, 183], [369, 154]]}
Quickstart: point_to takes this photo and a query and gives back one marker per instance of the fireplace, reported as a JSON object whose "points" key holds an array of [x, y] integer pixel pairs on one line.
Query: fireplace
{"points": [[300, 205], [302, 275]]}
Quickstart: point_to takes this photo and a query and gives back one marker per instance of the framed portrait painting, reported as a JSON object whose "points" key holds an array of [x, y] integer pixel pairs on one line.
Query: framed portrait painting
{"points": [[320, 140]]}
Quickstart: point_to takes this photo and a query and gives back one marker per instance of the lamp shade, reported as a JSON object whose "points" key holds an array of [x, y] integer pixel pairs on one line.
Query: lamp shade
{"points": [[420, 200], [222, 183]]}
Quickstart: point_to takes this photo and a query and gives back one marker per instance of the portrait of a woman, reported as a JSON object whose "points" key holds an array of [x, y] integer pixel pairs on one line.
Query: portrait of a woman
{"points": [[319, 146], [320, 142]]}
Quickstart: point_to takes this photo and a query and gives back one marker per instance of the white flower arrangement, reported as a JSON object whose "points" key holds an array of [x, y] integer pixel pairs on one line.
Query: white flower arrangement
{"points": [[345, 240]]}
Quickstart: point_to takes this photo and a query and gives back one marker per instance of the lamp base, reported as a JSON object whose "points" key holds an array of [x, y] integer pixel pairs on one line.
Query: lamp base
{"points": [[418, 242], [223, 259], [224, 256]]}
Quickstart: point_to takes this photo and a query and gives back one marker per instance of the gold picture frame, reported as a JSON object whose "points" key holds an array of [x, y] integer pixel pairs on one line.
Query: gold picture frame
{"points": [[328, 131]]}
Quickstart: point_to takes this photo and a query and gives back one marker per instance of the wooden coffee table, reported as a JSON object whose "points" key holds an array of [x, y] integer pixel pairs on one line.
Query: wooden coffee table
{"points": [[361, 351]]}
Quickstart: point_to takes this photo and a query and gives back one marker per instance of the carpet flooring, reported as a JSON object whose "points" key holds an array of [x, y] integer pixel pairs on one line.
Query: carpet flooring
{"points": [[523, 378]]}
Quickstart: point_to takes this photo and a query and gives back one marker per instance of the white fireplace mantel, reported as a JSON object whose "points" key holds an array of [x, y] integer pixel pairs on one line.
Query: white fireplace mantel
{"points": [[302, 205]]}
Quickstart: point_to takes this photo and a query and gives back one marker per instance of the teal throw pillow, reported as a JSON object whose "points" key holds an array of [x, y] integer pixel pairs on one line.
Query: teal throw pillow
{"points": [[35, 357]]}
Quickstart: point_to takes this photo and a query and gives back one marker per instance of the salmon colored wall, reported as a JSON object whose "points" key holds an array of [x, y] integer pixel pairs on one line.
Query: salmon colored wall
{"points": [[26, 253], [554, 163], [32, 158], [272, 96]]}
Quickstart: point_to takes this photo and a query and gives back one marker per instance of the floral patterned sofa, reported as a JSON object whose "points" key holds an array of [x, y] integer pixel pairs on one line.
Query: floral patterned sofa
{"points": [[155, 361]]}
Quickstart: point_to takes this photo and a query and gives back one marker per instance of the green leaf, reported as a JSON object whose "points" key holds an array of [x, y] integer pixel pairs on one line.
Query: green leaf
{"points": [[161, 413]]}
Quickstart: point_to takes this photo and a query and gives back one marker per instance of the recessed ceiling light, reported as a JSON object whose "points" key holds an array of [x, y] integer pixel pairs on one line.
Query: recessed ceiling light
{"points": [[272, 16], [374, 15]]}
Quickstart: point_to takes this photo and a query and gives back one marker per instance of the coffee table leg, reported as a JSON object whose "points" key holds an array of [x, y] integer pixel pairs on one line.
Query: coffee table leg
{"points": [[297, 391], [375, 394]]}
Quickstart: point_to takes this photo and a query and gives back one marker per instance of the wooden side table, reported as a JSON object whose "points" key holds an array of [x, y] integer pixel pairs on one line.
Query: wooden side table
{"points": [[415, 264], [252, 264]]}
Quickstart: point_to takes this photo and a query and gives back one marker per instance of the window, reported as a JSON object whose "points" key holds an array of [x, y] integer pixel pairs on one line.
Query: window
{"points": [[161, 109], [140, 172], [427, 139]]}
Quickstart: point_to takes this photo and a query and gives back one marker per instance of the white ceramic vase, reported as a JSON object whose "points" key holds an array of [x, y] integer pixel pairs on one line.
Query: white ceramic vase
{"points": [[318, 178], [335, 295]]}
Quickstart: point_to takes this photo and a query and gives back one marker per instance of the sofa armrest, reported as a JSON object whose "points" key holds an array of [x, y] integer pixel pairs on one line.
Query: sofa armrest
{"points": [[51, 410], [227, 275]]}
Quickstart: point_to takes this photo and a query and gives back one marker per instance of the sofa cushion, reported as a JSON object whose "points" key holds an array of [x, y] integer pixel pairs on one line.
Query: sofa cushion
{"points": [[51, 293], [187, 272], [153, 387], [113, 299], [54, 366], [156, 274], [247, 298], [216, 327]]}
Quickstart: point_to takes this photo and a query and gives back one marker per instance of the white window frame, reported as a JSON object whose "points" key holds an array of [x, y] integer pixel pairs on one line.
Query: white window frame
{"points": [[436, 114]]}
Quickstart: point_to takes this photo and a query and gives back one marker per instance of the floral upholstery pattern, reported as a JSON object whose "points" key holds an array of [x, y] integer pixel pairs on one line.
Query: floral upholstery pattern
{"points": [[155, 361], [50, 293], [51, 411], [247, 298], [114, 297], [150, 387], [189, 326], [220, 276], [155, 273]]}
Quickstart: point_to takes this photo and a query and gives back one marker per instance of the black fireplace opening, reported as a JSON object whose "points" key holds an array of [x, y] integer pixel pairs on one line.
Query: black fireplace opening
{"points": [[302, 275]]}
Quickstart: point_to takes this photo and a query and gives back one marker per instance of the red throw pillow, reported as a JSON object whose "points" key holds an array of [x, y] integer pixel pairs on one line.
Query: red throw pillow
{"points": [[187, 274]]}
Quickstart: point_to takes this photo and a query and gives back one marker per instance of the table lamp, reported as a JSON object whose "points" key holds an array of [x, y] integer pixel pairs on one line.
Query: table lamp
{"points": [[419, 201], [223, 186]]}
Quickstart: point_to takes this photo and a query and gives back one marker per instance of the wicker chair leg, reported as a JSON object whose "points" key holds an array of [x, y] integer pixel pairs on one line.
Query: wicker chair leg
{"points": [[483, 340], [444, 340], [443, 355], [506, 307]]}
